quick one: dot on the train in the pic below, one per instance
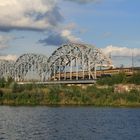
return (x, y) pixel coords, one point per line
(92, 75)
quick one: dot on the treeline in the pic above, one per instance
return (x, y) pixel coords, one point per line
(120, 78)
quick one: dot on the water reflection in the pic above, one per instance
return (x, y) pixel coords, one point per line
(69, 123)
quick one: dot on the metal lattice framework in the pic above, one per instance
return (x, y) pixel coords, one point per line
(78, 60)
(6, 68)
(34, 65)
(69, 61)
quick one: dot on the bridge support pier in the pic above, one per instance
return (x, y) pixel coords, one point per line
(95, 76)
(89, 76)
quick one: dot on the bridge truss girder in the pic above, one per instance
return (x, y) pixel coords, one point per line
(34, 63)
(76, 58)
(6, 69)
(70, 61)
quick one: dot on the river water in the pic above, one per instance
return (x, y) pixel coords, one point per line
(69, 123)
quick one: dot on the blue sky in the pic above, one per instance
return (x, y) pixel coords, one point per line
(108, 22)
(40, 26)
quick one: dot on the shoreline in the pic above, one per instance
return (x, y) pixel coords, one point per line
(69, 96)
(71, 106)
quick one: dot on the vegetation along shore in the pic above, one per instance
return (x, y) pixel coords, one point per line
(117, 90)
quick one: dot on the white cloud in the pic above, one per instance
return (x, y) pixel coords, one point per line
(123, 55)
(68, 34)
(29, 14)
(121, 51)
(42, 15)
(8, 57)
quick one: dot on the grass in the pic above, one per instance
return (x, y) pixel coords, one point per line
(31, 94)
(120, 78)
(63, 95)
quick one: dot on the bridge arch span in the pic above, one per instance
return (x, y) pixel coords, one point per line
(6, 69)
(69, 61)
(34, 64)
(74, 59)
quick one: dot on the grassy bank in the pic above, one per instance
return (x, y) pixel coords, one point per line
(101, 94)
(63, 95)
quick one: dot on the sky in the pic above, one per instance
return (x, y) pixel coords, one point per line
(41, 26)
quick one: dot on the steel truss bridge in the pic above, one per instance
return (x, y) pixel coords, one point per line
(68, 62)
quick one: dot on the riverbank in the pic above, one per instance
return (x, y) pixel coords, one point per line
(64, 95)
(117, 90)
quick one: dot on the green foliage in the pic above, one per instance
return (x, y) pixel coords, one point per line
(120, 78)
(114, 79)
(17, 88)
(2, 83)
(9, 81)
(53, 95)
(32, 94)
(135, 79)
(5, 83)
(1, 93)
(133, 96)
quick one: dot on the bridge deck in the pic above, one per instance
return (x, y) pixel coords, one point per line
(62, 82)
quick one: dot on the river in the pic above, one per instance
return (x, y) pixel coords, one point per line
(69, 123)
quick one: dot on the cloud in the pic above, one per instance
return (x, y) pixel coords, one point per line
(54, 39)
(70, 26)
(68, 34)
(29, 14)
(8, 57)
(121, 51)
(36, 15)
(84, 1)
(59, 38)
(123, 55)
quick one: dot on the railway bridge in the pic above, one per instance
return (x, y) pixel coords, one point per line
(69, 62)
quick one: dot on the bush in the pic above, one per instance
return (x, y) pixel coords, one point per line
(135, 79)
(17, 88)
(1, 93)
(9, 81)
(114, 79)
(53, 94)
(2, 82)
